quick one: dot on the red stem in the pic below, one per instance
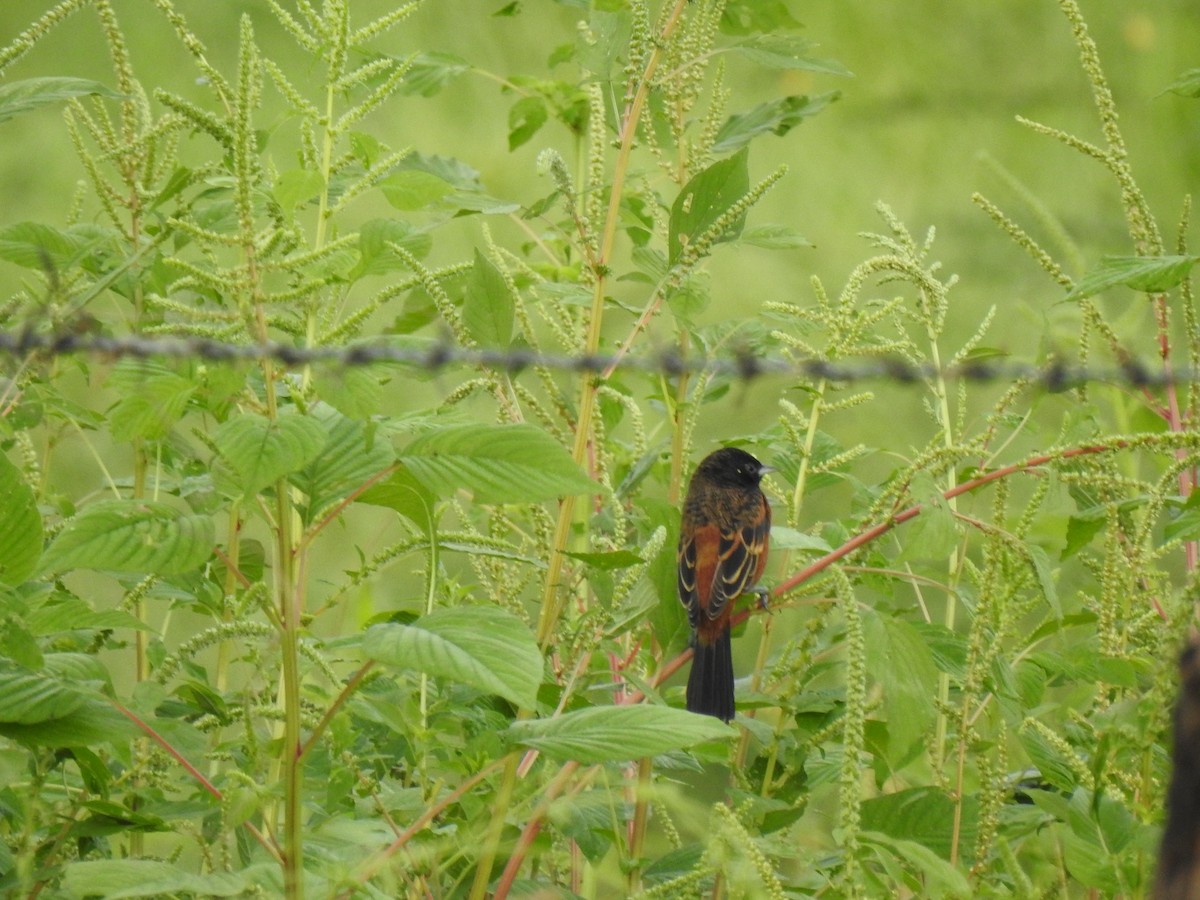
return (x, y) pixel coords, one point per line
(268, 844)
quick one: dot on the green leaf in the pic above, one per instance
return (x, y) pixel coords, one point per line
(488, 305)
(774, 237)
(27, 698)
(254, 452)
(1100, 830)
(352, 454)
(498, 463)
(20, 526)
(411, 189)
(757, 17)
(141, 536)
(71, 614)
(1080, 532)
(496, 551)
(1040, 560)
(153, 400)
(939, 878)
(406, 495)
(615, 733)
(33, 93)
(483, 646)
(1186, 85)
(1148, 274)
(355, 391)
(430, 72)
(705, 199)
(903, 664)
(115, 879)
(297, 186)
(606, 562)
(1184, 521)
(924, 815)
(33, 245)
(781, 50)
(525, 119)
(376, 255)
(1052, 765)
(933, 533)
(95, 722)
(18, 644)
(777, 117)
(785, 538)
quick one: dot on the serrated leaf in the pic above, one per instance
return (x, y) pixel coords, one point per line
(601, 734)
(33, 93)
(20, 526)
(488, 305)
(352, 454)
(483, 646)
(776, 117)
(255, 452)
(498, 463)
(1148, 274)
(705, 199)
(139, 536)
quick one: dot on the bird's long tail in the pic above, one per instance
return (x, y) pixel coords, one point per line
(710, 684)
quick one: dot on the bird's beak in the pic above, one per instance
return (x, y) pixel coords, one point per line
(763, 470)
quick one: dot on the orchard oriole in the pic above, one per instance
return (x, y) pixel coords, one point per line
(722, 552)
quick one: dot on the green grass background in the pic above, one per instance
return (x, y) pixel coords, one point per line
(936, 86)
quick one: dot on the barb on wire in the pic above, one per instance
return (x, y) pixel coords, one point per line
(434, 355)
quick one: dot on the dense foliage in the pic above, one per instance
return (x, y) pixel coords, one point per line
(332, 566)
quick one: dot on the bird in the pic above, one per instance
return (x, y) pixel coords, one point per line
(723, 541)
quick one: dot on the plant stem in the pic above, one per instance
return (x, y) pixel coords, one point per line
(491, 841)
(551, 602)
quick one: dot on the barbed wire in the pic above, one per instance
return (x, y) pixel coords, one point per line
(437, 355)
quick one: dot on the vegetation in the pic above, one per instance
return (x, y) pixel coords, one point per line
(341, 490)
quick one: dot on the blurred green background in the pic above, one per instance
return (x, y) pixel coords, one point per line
(936, 86)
